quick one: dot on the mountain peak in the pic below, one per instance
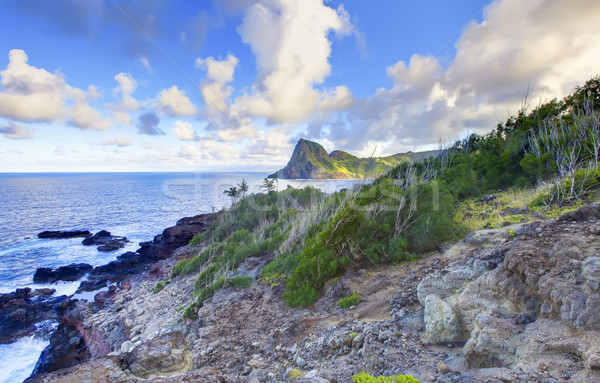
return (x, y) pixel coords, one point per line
(310, 160)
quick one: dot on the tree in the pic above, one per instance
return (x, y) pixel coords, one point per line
(243, 188)
(232, 193)
(268, 185)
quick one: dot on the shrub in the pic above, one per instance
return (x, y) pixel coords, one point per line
(241, 282)
(295, 374)
(363, 377)
(349, 301)
(159, 286)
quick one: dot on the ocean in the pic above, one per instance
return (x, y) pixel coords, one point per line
(135, 205)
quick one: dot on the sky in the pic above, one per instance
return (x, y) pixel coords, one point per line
(173, 85)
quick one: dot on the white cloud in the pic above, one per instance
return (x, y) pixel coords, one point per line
(34, 94)
(15, 131)
(120, 141)
(146, 64)
(184, 130)
(126, 85)
(291, 43)
(547, 45)
(215, 90)
(175, 102)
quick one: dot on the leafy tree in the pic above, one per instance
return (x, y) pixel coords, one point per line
(243, 188)
(268, 185)
(232, 193)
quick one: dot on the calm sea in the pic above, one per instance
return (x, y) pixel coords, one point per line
(136, 205)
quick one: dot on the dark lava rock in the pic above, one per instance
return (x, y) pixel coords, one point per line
(67, 348)
(581, 214)
(92, 285)
(149, 252)
(103, 296)
(106, 240)
(70, 272)
(64, 234)
(20, 311)
(487, 199)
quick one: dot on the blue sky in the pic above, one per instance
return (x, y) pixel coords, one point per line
(157, 85)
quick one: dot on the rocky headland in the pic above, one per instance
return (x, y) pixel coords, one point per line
(310, 160)
(517, 304)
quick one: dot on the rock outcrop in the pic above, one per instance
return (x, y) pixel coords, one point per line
(70, 273)
(22, 311)
(105, 241)
(518, 304)
(64, 234)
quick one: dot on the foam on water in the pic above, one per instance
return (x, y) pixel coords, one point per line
(18, 359)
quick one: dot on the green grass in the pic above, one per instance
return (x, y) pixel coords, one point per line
(349, 301)
(363, 377)
(241, 282)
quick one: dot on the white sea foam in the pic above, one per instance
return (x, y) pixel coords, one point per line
(18, 359)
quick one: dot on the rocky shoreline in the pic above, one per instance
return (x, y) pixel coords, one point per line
(26, 312)
(517, 304)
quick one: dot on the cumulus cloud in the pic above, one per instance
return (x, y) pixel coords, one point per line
(215, 89)
(291, 43)
(126, 85)
(15, 131)
(545, 45)
(148, 124)
(34, 94)
(175, 102)
(120, 141)
(184, 130)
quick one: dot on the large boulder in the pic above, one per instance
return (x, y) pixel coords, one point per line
(441, 323)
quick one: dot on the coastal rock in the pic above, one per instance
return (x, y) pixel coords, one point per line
(106, 241)
(69, 273)
(20, 311)
(66, 349)
(64, 234)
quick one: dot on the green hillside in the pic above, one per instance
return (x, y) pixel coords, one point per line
(311, 161)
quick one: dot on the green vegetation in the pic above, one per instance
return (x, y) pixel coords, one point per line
(159, 286)
(295, 374)
(363, 377)
(242, 282)
(349, 301)
(539, 163)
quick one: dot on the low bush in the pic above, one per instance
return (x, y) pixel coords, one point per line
(159, 286)
(363, 377)
(349, 301)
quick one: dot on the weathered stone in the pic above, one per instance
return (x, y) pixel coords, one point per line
(167, 353)
(441, 323)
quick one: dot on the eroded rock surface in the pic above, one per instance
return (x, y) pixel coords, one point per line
(518, 304)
